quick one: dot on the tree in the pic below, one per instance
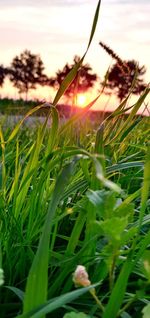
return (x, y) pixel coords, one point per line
(26, 72)
(123, 74)
(84, 80)
(3, 73)
(120, 80)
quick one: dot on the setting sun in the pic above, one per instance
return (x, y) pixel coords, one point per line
(81, 100)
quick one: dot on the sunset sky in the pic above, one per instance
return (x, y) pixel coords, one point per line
(59, 29)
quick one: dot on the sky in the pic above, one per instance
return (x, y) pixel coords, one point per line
(59, 29)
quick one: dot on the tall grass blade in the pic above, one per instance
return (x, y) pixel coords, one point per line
(124, 165)
(145, 187)
(29, 113)
(78, 116)
(72, 74)
(67, 81)
(36, 288)
(56, 303)
(2, 165)
(53, 131)
(19, 293)
(94, 23)
(116, 298)
(131, 115)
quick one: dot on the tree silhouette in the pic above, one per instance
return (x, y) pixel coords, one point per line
(121, 81)
(26, 72)
(122, 75)
(3, 73)
(84, 80)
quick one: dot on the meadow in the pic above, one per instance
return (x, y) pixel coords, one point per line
(75, 213)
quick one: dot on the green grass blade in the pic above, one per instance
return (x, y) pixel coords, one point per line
(94, 23)
(29, 113)
(2, 165)
(78, 116)
(53, 131)
(56, 303)
(134, 111)
(124, 165)
(117, 295)
(145, 187)
(143, 244)
(36, 288)
(18, 292)
(67, 81)
(72, 74)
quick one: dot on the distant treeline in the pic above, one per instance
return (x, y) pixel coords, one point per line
(26, 72)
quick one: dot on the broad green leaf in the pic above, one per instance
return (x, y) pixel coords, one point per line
(125, 210)
(146, 311)
(114, 232)
(104, 202)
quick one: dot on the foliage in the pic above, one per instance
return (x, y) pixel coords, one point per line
(97, 228)
(121, 82)
(146, 311)
(83, 81)
(3, 73)
(26, 71)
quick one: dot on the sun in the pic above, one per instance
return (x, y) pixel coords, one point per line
(81, 100)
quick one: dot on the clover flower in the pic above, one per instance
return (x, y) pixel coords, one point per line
(80, 277)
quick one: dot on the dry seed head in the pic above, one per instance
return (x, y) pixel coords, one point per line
(121, 64)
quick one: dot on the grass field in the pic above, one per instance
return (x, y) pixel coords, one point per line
(76, 194)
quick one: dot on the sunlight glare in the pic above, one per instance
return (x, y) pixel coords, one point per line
(81, 100)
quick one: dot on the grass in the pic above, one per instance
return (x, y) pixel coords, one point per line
(72, 195)
(61, 205)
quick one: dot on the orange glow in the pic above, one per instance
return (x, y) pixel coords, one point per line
(81, 100)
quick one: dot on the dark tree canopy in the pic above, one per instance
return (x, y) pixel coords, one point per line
(121, 81)
(84, 80)
(27, 71)
(3, 73)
